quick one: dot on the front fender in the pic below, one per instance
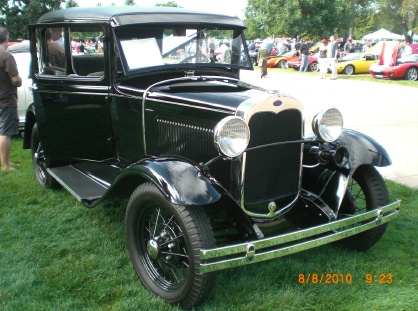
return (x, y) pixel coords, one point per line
(180, 181)
(363, 150)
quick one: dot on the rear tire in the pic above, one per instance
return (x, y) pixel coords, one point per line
(282, 64)
(313, 67)
(411, 74)
(164, 241)
(367, 191)
(39, 162)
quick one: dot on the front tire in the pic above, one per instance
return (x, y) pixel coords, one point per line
(164, 242)
(367, 191)
(348, 70)
(39, 162)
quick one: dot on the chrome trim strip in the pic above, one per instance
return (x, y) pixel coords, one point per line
(217, 258)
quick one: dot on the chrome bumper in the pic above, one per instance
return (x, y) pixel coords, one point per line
(286, 244)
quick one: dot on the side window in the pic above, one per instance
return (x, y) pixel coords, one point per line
(87, 51)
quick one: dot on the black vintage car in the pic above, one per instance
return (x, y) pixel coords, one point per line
(218, 173)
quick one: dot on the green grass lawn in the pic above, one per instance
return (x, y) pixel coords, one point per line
(56, 254)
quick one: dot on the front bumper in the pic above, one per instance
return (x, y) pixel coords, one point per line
(286, 244)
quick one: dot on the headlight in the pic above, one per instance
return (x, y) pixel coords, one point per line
(232, 136)
(328, 124)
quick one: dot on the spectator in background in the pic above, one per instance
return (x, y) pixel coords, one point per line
(348, 46)
(366, 46)
(9, 82)
(262, 59)
(225, 56)
(332, 52)
(56, 53)
(304, 55)
(56, 34)
(297, 47)
(406, 49)
(322, 59)
(81, 47)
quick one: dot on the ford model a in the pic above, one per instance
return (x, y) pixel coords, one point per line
(218, 173)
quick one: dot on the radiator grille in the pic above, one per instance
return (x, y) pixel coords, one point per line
(273, 172)
(187, 140)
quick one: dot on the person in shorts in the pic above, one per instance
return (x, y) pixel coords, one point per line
(9, 82)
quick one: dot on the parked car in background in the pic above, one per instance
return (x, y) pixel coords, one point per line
(218, 173)
(356, 63)
(281, 60)
(393, 66)
(22, 56)
(253, 50)
(294, 62)
(405, 68)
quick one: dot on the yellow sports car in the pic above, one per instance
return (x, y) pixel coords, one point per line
(359, 62)
(356, 63)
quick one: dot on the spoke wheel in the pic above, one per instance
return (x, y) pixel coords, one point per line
(411, 74)
(282, 64)
(164, 242)
(367, 191)
(39, 162)
(349, 70)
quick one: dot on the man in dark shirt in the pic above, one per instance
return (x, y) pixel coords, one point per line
(304, 54)
(297, 47)
(9, 82)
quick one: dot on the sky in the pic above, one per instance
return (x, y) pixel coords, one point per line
(228, 7)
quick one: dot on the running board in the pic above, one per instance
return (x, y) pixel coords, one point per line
(80, 185)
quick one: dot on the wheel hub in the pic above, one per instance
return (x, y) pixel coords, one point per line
(153, 249)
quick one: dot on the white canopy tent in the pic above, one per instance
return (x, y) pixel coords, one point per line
(383, 34)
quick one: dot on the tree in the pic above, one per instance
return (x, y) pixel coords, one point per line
(130, 2)
(71, 4)
(25, 12)
(297, 18)
(172, 4)
(410, 15)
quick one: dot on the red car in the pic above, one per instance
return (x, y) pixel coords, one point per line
(282, 60)
(392, 67)
(312, 63)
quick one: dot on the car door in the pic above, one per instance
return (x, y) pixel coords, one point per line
(71, 104)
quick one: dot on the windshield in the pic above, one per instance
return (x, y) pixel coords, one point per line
(156, 48)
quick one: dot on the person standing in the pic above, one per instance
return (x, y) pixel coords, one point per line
(297, 47)
(9, 82)
(322, 59)
(262, 59)
(304, 55)
(333, 56)
(56, 52)
(348, 46)
(406, 49)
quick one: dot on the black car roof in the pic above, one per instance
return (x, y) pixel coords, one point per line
(128, 15)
